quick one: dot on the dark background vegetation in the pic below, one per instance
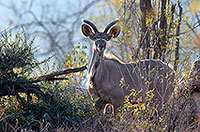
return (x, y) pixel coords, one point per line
(167, 30)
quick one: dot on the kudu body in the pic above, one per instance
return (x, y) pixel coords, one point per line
(111, 80)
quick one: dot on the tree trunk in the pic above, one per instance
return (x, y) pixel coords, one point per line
(160, 45)
(145, 7)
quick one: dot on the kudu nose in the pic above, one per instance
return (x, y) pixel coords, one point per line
(101, 47)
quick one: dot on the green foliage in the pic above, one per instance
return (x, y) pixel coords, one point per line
(16, 52)
(17, 62)
(139, 111)
(64, 106)
(143, 114)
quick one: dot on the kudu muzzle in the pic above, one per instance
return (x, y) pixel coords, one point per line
(100, 45)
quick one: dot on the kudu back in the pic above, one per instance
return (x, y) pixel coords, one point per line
(110, 80)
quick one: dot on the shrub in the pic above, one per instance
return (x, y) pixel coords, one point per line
(64, 106)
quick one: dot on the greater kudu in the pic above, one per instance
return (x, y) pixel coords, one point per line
(106, 73)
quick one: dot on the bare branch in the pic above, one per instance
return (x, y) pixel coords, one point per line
(53, 25)
(52, 75)
(178, 37)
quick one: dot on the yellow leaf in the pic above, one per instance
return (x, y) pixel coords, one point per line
(140, 99)
(64, 81)
(143, 106)
(195, 6)
(120, 3)
(15, 70)
(114, 1)
(130, 57)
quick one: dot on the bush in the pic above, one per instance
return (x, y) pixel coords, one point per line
(144, 115)
(17, 63)
(64, 106)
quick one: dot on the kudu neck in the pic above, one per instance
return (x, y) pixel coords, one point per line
(97, 56)
(96, 60)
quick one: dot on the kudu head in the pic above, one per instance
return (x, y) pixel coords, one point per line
(100, 38)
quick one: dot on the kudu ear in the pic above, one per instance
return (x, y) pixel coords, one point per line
(87, 31)
(114, 31)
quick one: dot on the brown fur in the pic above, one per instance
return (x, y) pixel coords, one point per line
(110, 80)
(195, 89)
(106, 83)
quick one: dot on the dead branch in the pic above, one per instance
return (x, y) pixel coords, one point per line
(178, 37)
(15, 87)
(51, 76)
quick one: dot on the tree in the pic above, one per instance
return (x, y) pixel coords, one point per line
(55, 24)
(160, 29)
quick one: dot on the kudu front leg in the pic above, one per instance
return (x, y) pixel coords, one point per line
(116, 104)
(99, 104)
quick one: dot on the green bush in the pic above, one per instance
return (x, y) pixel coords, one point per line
(64, 106)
